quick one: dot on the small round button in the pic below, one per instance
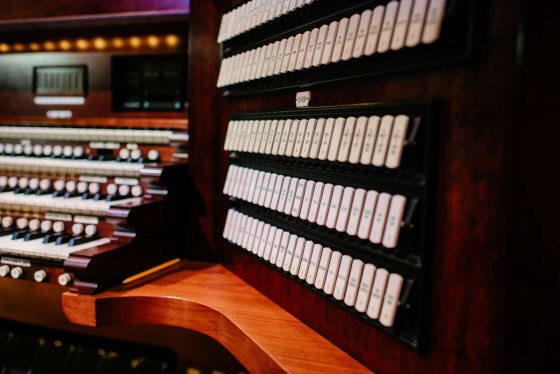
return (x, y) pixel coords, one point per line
(124, 153)
(9, 148)
(124, 190)
(59, 185)
(77, 229)
(47, 150)
(2, 147)
(71, 186)
(12, 182)
(22, 223)
(34, 224)
(7, 222)
(28, 149)
(135, 154)
(136, 191)
(82, 187)
(4, 271)
(18, 149)
(23, 182)
(94, 188)
(16, 272)
(46, 225)
(153, 155)
(58, 227)
(90, 230)
(67, 151)
(40, 276)
(112, 189)
(3, 181)
(34, 183)
(64, 279)
(78, 151)
(45, 184)
(37, 150)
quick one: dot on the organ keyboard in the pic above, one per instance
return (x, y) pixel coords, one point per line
(75, 202)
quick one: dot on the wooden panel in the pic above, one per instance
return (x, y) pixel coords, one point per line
(469, 276)
(210, 299)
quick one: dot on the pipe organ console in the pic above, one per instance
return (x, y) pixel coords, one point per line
(76, 202)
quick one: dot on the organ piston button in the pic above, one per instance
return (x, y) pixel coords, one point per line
(78, 151)
(112, 189)
(93, 188)
(18, 149)
(12, 182)
(57, 150)
(82, 187)
(135, 154)
(34, 224)
(9, 148)
(3, 181)
(71, 186)
(77, 229)
(58, 227)
(45, 184)
(37, 149)
(22, 223)
(4, 270)
(47, 150)
(136, 191)
(16, 272)
(67, 151)
(64, 279)
(7, 222)
(90, 230)
(153, 155)
(46, 225)
(2, 147)
(40, 276)
(34, 183)
(23, 182)
(124, 153)
(124, 190)
(59, 185)
(28, 150)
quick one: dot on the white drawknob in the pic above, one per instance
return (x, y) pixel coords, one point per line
(16, 272)
(40, 276)
(64, 279)
(4, 270)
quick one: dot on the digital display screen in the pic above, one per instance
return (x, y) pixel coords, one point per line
(60, 80)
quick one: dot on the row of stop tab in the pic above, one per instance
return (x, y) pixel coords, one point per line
(399, 24)
(373, 215)
(365, 287)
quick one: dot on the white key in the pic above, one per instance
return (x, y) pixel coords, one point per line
(315, 202)
(298, 197)
(314, 264)
(382, 144)
(295, 52)
(329, 43)
(358, 140)
(356, 211)
(270, 190)
(276, 245)
(320, 45)
(353, 282)
(262, 146)
(434, 19)
(334, 206)
(332, 272)
(302, 50)
(372, 39)
(307, 196)
(258, 239)
(284, 242)
(325, 204)
(370, 140)
(280, 57)
(347, 137)
(287, 263)
(401, 25)
(326, 140)
(277, 137)
(227, 224)
(299, 138)
(283, 193)
(317, 137)
(310, 54)
(284, 139)
(271, 135)
(287, 54)
(308, 137)
(291, 195)
(396, 143)
(322, 268)
(362, 33)
(264, 189)
(298, 253)
(247, 235)
(379, 218)
(342, 277)
(264, 246)
(258, 189)
(344, 212)
(391, 300)
(276, 192)
(416, 23)
(394, 219)
(251, 179)
(336, 139)
(305, 259)
(364, 290)
(292, 138)
(351, 35)
(228, 181)
(340, 39)
(377, 293)
(273, 58)
(388, 26)
(368, 212)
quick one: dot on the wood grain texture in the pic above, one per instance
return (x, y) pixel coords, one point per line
(210, 299)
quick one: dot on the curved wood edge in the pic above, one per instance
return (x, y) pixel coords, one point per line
(213, 301)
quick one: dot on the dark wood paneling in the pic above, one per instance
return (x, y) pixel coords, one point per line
(475, 157)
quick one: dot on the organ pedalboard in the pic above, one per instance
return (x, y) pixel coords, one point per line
(77, 205)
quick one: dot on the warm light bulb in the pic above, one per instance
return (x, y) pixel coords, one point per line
(34, 46)
(19, 47)
(49, 46)
(117, 43)
(152, 41)
(99, 43)
(4, 47)
(82, 44)
(172, 40)
(135, 42)
(64, 45)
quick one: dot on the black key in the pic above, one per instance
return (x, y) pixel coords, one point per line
(55, 358)
(77, 240)
(106, 158)
(6, 232)
(49, 238)
(23, 354)
(58, 194)
(86, 196)
(20, 190)
(68, 195)
(63, 239)
(44, 192)
(19, 234)
(116, 197)
(86, 361)
(148, 366)
(31, 192)
(100, 197)
(33, 235)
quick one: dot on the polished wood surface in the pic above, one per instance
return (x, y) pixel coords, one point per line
(210, 299)
(138, 121)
